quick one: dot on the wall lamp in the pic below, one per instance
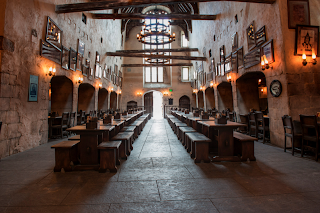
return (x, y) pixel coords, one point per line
(195, 91)
(229, 78)
(211, 84)
(165, 93)
(304, 59)
(52, 71)
(264, 63)
(119, 92)
(201, 88)
(110, 89)
(80, 80)
(100, 86)
(139, 93)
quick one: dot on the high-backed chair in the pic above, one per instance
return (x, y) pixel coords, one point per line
(292, 131)
(63, 125)
(253, 124)
(244, 119)
(72, 119)
(262, 126)
(310, 134)
(83, 117)
(232, 116)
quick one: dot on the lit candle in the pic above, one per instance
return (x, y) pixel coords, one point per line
(313, 54)
(304, 56)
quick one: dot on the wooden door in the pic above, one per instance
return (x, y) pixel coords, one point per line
(148, 103)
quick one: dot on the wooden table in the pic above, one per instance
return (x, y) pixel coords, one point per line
(222, 134)
(118, 124)
(89, 140)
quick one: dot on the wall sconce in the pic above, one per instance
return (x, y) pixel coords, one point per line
(139, 93)
(119, 92)
(229, 78)
(264, 63)
(211, 84)
(80, 80)
(100, 86)
(195, 91)
(165, 93)
(201, 88)
(52, 72)
(304, 59)
(110, 89)
(259, 81)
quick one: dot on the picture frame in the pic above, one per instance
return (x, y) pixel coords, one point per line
(260, 36)
(116, 71)
(51, 52)
(222, 57)
(234, 41)
(79, 62)
(97, 57)
(218, 69)
(81, 47)
(252, 58)
(251, 36)
(267, 51)
(54, 34)
(234, 61)
(33, 88)
(91, 73)
(105, 71)
(307, 40)
(65, 58)
(222, 69)
(228, 63)
(298, 13)
(73, 59)
(213, 67)
(240, 57)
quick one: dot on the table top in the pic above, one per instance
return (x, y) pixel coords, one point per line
(214, 124)
(82, 128)
(113, 123)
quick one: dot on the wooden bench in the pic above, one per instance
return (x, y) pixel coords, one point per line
(109, 156)
(126, 145)
(199, 147)
(244, 146)
(182, 132)
(66, 154)
(138, 124)
(130, 129)
(176, 130)
(74, 138)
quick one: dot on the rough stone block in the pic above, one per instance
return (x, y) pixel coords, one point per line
(13, 130)
(4, 149)
(299, 102)
(4, 104)
(295, 89)
(13, 144)
(12, 117)
(5, 78)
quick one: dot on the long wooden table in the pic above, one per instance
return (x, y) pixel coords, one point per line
(223, 135)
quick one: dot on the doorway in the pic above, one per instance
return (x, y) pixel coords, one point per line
(153, 101)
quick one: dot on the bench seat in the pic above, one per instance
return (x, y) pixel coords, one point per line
(244, 146)
(176, 129)
(182, 133)
(76, 138)
(199, 147)
(138, 124)
(109, 156)
(130, 129)
(66, 155)
(126, 145)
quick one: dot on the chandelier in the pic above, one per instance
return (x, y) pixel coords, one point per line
(156, 34)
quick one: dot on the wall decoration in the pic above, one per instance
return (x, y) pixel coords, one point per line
(213, 67)
(252, 58)
(210, 76)
(218, 69)
(228, 64)
(251, 36)
(79, 62)
(91, 74)
(298, 13)
(240, 57)
(222, 53)
(86, 68)
(65, 58)
(97, 68)
(81, 46)
(234, 61)
(54, 34)
(105, 71)
(100, 71)
(97, 57)
(73, 59)
(50, 52)
(33, 88)
(222, 69)
(116, 71)
(268, 52)
(234, 41)
(275, 88)
(261, 36)
(307, 40)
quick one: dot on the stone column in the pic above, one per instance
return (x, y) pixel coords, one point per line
(197, 101)
(96, 98)
(204, 101)
(117, 101)
(235, 98)
(216, 97)
(109, 94)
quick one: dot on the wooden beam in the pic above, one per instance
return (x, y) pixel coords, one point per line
(113, 4)
(153, 16)
(160, 50)
(189, 58)
(158, 65)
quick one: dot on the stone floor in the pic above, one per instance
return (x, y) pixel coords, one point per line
(159, 176)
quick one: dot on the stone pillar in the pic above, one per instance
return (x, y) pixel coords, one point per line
(75, 97)
(96, 98)
(235, 99)
(109, 94)
(197, 101)
(216, 98)
(204, 101)
(117, 101)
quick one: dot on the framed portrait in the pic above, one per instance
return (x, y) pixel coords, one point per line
(33, 88)
(218, 69)
(54, 34)
(97, 70)
(240, 57)
(267, 51)
(97, 57)
(234, 40)
(222, 53)
(307, 40)
(261, 36)
(222, 69)
(252, 58)
(80, 47)
(228, 63)
(73, 59)
(212, 66)
(79, 62)
(251, 36)
(298, 13)
(65, 58)
(105, 71)
(91, 73)
(234, 61)
(50, 52)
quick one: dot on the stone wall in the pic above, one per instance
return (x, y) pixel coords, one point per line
(25, 124)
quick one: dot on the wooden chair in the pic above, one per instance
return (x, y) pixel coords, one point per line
(262, 126)
(310, 134)
(232, 116)
(253, 124)
(290, 131)
(72, 119)
(83, 117)
(244, 119)
(63, 125)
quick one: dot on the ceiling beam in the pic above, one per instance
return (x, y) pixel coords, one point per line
(189, 58)
(153, 16)
(113, 4)
(158, 65)
(160, 50)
